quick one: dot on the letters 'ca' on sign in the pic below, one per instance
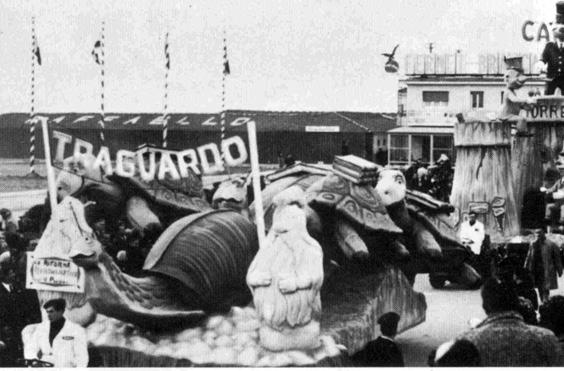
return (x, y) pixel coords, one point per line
(53, 274)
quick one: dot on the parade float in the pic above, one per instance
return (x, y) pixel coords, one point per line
(346, 245)
(193, 306)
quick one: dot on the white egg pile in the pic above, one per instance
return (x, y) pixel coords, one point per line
(223, 340)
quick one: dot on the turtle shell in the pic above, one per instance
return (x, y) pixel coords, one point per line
(439, 224)
(208, 252)
(184, 194)
(359, 204)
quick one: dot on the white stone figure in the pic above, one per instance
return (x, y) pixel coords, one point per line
(285, 278)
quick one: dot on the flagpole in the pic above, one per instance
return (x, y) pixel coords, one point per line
(255, 171)
(165, 99)
(50, 172)
(226, 71)
(102, 87)
(32, 102)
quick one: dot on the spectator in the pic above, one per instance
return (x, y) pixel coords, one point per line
(552, 317)
(527, 311)
(9, 224)
(459, 353)
(503, 339)
(411, 174)
(381, 157)
(544, 262)
(9, 336)
(441, 178)
(382, 352)
(58, 340)
(289, 161)
(345, 148)
(472, 234)
(421, 182)
(18, 308)
(17, 247)
(525, 286)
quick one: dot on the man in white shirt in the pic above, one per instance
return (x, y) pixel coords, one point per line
(58, 340)
(472, 233)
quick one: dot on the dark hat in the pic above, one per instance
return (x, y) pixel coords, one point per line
(514, 63)
(390, 318)
(560, 12)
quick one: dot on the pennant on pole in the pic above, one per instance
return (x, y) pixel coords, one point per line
(97, 52)
(167, 54)
(37, 53)
(226, 69)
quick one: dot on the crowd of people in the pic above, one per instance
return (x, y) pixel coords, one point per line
(435, 180)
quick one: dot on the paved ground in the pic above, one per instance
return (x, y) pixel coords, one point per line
(448, 313)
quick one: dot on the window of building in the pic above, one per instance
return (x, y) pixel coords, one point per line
(421, 148)
(502, 96)
(399, 149)
(443, 144)
(477, 99)
(435, 98)
(401, 110)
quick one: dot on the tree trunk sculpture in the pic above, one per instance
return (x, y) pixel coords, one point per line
(483, 180)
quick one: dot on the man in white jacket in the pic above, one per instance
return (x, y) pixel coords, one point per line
(472, 233)
(58, 341)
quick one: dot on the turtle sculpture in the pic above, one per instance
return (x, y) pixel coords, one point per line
(349, 220)
(428, 232)
(198, 265)
(150, 206)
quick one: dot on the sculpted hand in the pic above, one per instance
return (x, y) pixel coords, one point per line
(543, 189)
(287, 285)
(260, 279)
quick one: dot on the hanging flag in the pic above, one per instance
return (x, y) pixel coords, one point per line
(226, 69)
(97, 52)
(167, 55)
(37, 53)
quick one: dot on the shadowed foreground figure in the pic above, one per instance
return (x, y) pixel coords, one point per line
(382, 352)
(503, 338)
(552, 317)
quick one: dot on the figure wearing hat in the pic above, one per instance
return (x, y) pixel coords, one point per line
(553, 54)
(513, 104)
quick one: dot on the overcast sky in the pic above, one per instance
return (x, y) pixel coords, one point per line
(318, 55)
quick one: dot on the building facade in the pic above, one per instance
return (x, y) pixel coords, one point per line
(436, 89)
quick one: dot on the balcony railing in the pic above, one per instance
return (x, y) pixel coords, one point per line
(442, 116)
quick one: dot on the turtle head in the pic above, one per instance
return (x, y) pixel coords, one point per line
(86, 252)
(231, 194)
(391, 186)
(77, 171)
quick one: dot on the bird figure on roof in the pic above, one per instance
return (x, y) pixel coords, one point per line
(392, 65)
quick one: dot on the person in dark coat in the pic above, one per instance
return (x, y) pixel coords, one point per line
(544, 262)
(503, 339)
(382, 352)
(552, 318)
(17, 307)
(553, 55)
